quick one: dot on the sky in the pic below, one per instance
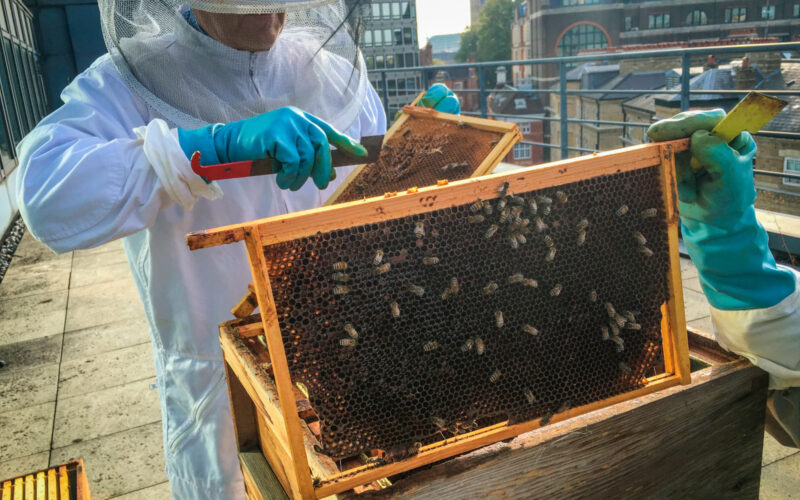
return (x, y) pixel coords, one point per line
(440, 17)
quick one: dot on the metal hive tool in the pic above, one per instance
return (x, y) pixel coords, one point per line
(424, 146)
(418, 328)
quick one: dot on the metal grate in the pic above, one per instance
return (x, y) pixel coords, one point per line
(414, 374)
(421, 152)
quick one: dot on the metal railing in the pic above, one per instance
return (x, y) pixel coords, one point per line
(559, 88)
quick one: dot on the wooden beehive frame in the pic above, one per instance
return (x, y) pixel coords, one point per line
(281, 431)
(510, 131)
(52, 483)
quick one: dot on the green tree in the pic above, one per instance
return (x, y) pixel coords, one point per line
(469, 45)
(494, 31)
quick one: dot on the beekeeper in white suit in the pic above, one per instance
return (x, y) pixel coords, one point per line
(215, 76)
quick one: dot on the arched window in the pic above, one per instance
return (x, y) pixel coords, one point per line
(582, 36)
(696, 18)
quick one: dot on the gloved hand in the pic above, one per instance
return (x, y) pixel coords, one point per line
(441, 98)
(297, 142)
(718, 219)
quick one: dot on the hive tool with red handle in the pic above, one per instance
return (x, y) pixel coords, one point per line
(265, 166)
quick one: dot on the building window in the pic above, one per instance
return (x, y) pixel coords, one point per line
(406, 10)
(458, 85)
(696, 18)
(568, 3)
(385, 11)
(796, 11)
(768, 12)
(407, 37)
(520, 103)
(791, 166)
(390, 60)
(657, 21)
(368, 38)
(409, 60)
(387, 37)
(376, 11)
(379, 62)
(396, 10)
(628, 23)
(736, 15)
(398, 37)
(524, 128)
(583, 36)
(522, 152)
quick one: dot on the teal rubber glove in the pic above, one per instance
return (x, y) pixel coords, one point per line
(298, 143)
(718, 218)
(441, 98)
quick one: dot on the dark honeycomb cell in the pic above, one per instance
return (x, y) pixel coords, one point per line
(421, 152)
(418, 376)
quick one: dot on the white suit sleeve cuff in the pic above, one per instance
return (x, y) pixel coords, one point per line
(163, 151)
(769, 338)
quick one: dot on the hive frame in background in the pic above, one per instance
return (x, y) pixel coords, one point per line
(266, 414)
(510, 131)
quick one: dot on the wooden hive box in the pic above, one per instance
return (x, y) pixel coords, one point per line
(424, 146)
(450, 332)
(62, 482)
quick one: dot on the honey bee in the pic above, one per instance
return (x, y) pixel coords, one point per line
(546, 419)
(562, 196)
(467, 346)
(593, 296)
(610, 309)
(430, 261)
(633, 326)
(620, 343)
(477, 206)
(620, 320)
(546, 210)
(544, 200)
(630, 316)
(419, 230)
(388, 147)
(341, 290)
(503, 188)
(454, 287)
(646, 251)
(495, 376)
(498, 317)
(540, 225)
(639, 237)
(406, 132)
(446, 293)
(551, 255)
(378, 257)
(501, 204)
(476, 219)
(491, 231)
(614, 329)
(487, 208)
(604, 331)
(521, 239)
(347, 342)
(395, 307)
(490, 288)
(439, 422)
(530, 283)
(351, 330)
(505, 215)
(529, 396)
(516, 211)
(566, 405)
(534, 208)
(622, 210)
(512, 241)
(383, 268)
(341, 277)
(525, 222)
(530, 330)
(414, 448)
(625, 368)
(479, 347)
(430, 346)
(416, 290)
(517, 200)
(548, 241)
(516, 278)
(581, 238)
(556, 291)
(494, 143)
(650, 212)
(340, 266)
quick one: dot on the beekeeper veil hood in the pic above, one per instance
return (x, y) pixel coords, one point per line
(190, 79)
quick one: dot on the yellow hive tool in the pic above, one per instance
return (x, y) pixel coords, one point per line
(752, 113)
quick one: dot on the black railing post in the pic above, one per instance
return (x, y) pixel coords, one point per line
(482, 93)
(686, 67)
(562, 92)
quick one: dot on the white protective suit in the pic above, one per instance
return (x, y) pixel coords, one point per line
(104, 166)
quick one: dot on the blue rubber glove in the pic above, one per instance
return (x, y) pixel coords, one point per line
(297, 142)
(718, 219)
(441, 98)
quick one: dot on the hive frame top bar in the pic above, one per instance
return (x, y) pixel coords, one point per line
(309, 222)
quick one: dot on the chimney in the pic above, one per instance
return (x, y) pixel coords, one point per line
(744, 78)
(501, 75)
(711, 62)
